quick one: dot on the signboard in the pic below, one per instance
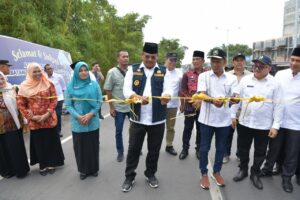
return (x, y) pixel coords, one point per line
(19, 53)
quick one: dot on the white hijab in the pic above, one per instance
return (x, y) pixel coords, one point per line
(9, 97)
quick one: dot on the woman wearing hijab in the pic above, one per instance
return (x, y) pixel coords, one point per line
(37, 101)
(12, 153)
(83, 102)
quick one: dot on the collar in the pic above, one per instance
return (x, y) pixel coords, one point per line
(211, 73)
(291, 73)
(143, 66)
(264, 79)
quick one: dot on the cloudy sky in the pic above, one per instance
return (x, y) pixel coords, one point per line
(204, 24)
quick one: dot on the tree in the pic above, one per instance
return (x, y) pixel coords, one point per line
(171, 45)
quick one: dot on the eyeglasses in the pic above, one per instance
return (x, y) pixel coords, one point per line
(259, 66)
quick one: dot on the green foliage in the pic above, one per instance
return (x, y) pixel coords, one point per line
(88, 29)
(171, 45)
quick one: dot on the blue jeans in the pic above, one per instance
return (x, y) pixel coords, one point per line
(119, 122)
(207, 132)
(229, 142)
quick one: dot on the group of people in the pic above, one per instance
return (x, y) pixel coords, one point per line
(256, 105)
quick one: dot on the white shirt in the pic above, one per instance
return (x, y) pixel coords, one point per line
(60, 85)
(291, 96)
(175, 79)
(92, 76)
(146, 110)
(214, 86)
(260, 115)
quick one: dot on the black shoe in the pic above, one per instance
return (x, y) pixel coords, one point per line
(240, 175)
(287, 184)
(152, 181)
(8, 175)
(265, 173)
(128, 185)
(171, 150)
(298, 180)
(43, 172)
(101, 116)
(61, 135)
(51, 170)
(82, 176)
(198, 154)
(120, 157)
(256, 181)
(276, 172)
(184, 153)
(22, 176)
(95, 174)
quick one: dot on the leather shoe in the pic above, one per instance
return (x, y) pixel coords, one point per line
(184, 153)
(8, 175)
(298, 180)
(171, 150)
(256, 181)
(82, 176)
(287, 184)
(240, 175)
(265, 173)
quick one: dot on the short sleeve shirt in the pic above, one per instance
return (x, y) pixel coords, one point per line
(115, 82)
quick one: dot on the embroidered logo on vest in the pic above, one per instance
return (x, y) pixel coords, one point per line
(136, 83)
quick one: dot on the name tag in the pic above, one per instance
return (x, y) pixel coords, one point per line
(159, 75)
(138, 73)
(251, 86)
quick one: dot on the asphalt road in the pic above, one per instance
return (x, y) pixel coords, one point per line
(179, 180)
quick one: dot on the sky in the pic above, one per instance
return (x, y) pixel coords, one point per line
(205, 24)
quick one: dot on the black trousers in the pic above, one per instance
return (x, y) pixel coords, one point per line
(297, 173)
(291, 151)
(275, 150)
(261, 139)
(189, 122)
(137, 132)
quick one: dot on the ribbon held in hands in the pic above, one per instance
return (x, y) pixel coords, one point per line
(256, 98)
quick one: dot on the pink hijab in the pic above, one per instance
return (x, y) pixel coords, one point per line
(31, 87)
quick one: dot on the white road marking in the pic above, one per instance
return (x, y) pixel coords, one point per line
(214, 189)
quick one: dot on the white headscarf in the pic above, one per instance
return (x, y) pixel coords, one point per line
(9, 97)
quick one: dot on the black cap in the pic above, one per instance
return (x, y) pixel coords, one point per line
(150, 47)
(217, 53)
(239, 55)
(198, 54)
(74, 63)
(5, 62)
(296, 51)
(263, 59)
(171, 55)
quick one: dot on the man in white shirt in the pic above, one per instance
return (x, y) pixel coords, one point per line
(175, 75)
(60, 87)
(240, 71)
(214, 115)
(259, 120)
(142, 81)
(289, 80)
